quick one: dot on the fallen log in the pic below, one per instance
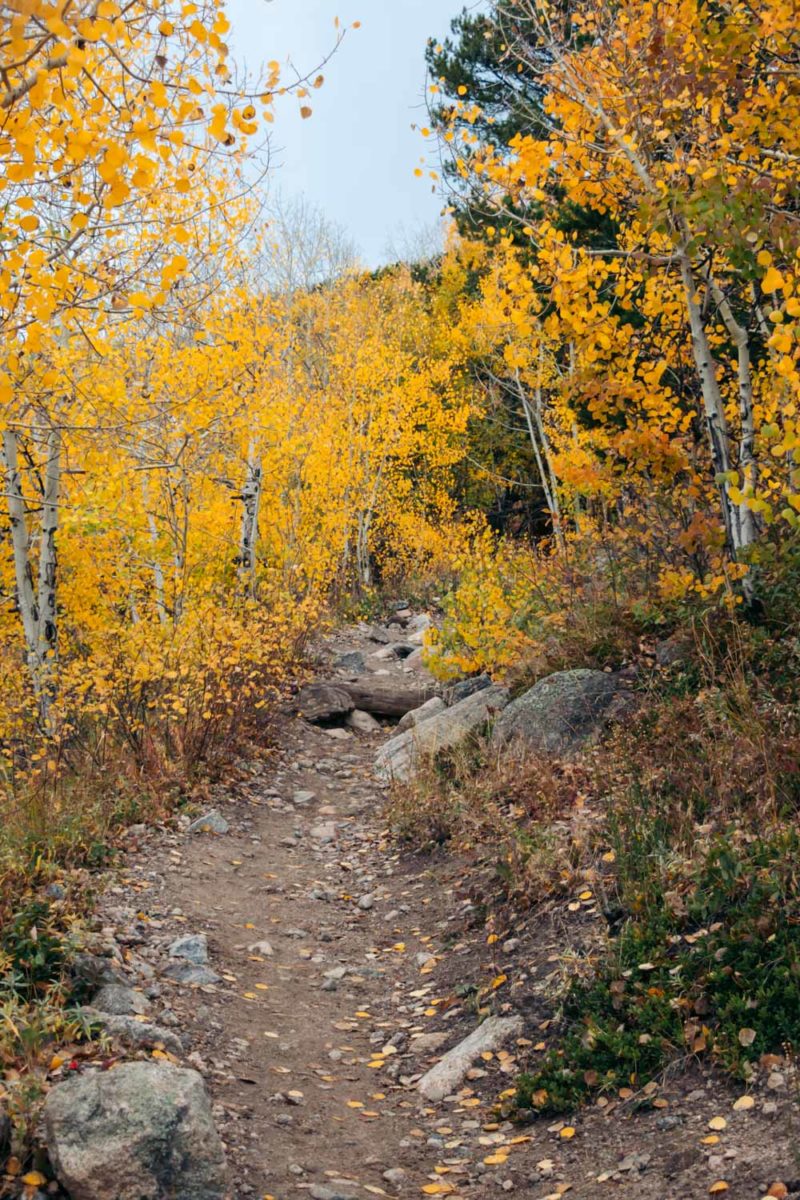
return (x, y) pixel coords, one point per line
(384, 697)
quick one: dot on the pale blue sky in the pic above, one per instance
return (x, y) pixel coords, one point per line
(355, 158)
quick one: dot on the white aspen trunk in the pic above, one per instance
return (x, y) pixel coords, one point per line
(714, 408)
(362, 549)
(158, 570)
(251, 501)
(48, 558)
(748, 463)
(38, 612)
(20, 542)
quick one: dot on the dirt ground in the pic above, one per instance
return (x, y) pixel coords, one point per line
(378, 965)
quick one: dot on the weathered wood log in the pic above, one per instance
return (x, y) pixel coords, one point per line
(384, 697)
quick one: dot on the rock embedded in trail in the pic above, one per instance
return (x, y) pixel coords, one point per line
(321, 702)
(211, 822)
(363, 722)
(133, 1032)
(352, 661)
(561, 713)
(448, 1074)
(143, 1131)
(189, 973)
(193, 947)
(400, 758)
(120, 1001)
(431, 708)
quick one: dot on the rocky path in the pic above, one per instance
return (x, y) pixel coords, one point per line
(335, 972)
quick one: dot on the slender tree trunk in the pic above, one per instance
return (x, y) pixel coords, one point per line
(251, 500)
(38, 611)
(48, 559)
(714, 408)
(748, 462)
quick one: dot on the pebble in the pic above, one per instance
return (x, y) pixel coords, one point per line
(366, 903)
(324, 833)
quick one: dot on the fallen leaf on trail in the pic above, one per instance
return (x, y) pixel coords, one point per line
(249, 996)
(719, 1186)
(33, 1179)
(263, 987)
(567, 1132)
(718, 1123)
(354, 1104)
(743, 1103)
(438, 1189)
(496, 1160)
(779, 1190)
(711, 1140)
(499, 981)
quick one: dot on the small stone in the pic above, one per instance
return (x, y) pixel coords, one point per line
(511, 945)
(363, 722)
(396, 1176)
(366, 902)
(338, 735)
(301, 798)
(193, 947)
(263, 949)
(776, 1081)
(324, 833)
(211, 822)
(189, 973)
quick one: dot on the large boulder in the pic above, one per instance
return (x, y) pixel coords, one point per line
(323, 702)
(400, 758)
(143, 1131)
(562, 712)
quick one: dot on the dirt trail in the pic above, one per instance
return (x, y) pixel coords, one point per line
(311, 1052)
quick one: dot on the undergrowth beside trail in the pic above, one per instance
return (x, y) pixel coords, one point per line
(681, 835)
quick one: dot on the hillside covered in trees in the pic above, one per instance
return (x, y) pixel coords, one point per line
(571, 439)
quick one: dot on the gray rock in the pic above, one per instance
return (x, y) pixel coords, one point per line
(210, 822)
(92, 971)
(302, 798)
(377, 633)
(561, 713)
(321, 702)
(324, 833)
(428, 1043)
(400, 758)
(143, 1131)
(334, 1191)
(193, 947)
(353, 661)
(674, 650)
(190, 973)
(363, 722)
(263, 949)
(420, 623)
(139, 1034)
(466, 687)
(120, 1001)
(367, 902)
(395, 1175)
(448, 1074)
(431, 708)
